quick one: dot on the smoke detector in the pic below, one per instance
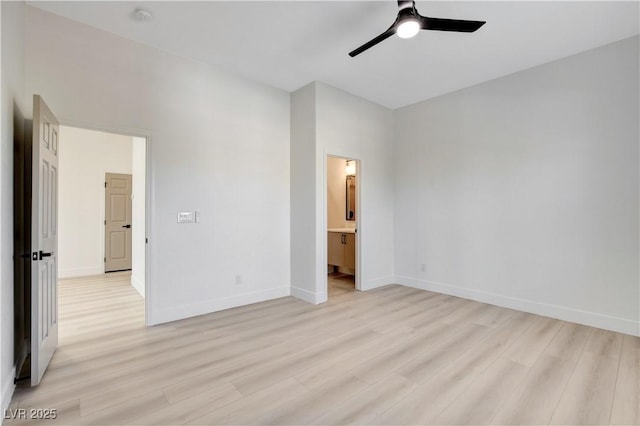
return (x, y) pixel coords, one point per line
(142, 15)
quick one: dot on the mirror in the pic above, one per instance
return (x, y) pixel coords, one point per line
(351, 198)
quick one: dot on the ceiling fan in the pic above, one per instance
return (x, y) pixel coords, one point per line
(409, 22)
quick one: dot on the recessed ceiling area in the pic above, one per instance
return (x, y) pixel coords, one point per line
(289, 44)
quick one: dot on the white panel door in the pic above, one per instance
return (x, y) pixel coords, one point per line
(44, 234)
(117, 223)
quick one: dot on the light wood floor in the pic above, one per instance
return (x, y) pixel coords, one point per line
(394, 355)
(338, 283)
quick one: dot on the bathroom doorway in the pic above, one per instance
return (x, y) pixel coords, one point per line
(342, 226)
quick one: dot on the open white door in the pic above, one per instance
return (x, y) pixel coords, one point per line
(44, 234)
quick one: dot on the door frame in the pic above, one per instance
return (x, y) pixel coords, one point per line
(325, 281)
(148, 198)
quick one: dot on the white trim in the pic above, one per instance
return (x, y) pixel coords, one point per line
(214, 305)
(323, 237)
(123, 131)
(148, 225)
(138, 285)
(80, 272)
(378, 282)
(7, 392)
(308, 296)
(592, 319)
(149, 198)
(360, 284)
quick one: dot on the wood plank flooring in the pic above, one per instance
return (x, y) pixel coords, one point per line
(338, 283)
(393, 355)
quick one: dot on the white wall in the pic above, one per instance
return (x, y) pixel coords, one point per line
(138, 232)
(85, 157)
(218, 143)
(350, 127)
(13, 96)
(336, 192)
(523, 191)
(303, 197)
(326, 121)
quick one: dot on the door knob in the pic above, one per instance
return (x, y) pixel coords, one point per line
(43, 254)
(126, 226)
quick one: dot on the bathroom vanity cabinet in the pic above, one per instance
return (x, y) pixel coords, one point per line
(342, 249)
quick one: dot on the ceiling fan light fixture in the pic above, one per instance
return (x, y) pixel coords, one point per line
(408, 28)
(409, 22)
(142, 15)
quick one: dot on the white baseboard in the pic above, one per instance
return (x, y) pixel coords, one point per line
(214, 305)
(308, 296)
(138, 284)
(592, 319)
(80, 272)
(377, 282)
(7, 392)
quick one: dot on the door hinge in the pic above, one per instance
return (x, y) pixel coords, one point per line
(105, 260)
(105, 184)
(105, 221)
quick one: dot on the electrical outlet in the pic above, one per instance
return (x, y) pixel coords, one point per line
(423, 267)
(238, 279)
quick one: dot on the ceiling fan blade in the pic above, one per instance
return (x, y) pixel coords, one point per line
(385, 35)
(459, 25)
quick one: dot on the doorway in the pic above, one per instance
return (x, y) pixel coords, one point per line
(55, 193)
(102, 208)
(342, 201)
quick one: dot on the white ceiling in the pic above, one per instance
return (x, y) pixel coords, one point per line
(289, 44)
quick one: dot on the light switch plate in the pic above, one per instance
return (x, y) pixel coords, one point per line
(185, 217)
